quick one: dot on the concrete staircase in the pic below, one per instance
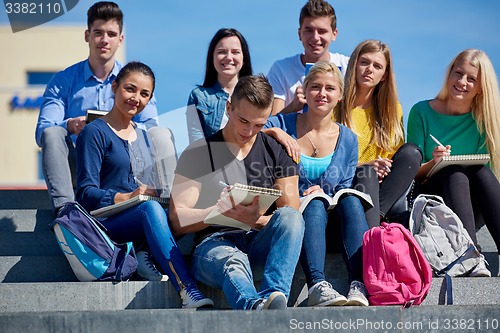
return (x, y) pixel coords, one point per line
(39, 292)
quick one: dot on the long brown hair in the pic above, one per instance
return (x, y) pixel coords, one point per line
(388, 128)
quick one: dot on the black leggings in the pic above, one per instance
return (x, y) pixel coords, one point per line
(406, 162)
(467, 189)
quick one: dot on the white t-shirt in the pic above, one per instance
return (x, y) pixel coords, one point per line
(287, 74)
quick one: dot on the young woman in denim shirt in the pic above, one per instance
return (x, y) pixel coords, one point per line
(327, 164)
(228, 59)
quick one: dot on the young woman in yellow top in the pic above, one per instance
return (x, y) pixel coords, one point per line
(370, 107)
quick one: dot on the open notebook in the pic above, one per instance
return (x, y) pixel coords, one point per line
(120, 207)
(465, 160)
(244, 194)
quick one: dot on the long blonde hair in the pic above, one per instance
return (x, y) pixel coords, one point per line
(486, 104)
(325, 67)
(388, 129)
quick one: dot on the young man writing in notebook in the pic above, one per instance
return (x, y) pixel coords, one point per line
(227, 258)
(317, 30)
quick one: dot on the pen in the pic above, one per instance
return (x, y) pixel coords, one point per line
(436, 140)
(223, 184)
(385, 166)
(138, 181)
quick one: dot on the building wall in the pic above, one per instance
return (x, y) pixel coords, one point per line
(40, 49)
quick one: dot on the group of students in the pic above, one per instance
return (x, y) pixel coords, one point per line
(250, 129)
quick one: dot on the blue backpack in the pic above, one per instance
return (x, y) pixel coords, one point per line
(92, 255)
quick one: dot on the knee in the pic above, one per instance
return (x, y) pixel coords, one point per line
(289, 220)
(153, 211)
(411, 152)
(54, 135)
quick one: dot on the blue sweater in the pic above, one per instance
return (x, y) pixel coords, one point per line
(104, 164)
(342, 168)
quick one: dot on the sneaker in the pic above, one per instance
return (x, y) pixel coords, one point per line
(276, 301)
(147, 269)
(323, 294)
(192, 298)
(357, 295)
(480, 270)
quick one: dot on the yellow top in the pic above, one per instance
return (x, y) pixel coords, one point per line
(362, 123)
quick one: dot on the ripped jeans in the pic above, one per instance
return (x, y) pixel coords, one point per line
(229, 260)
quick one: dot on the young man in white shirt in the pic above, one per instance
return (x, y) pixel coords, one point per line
(317, 29)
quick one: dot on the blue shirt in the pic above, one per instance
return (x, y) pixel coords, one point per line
(73, 91)
(314, 167)
(340, 173)
(205, 111)
(106, 164)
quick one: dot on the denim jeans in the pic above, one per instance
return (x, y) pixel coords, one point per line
(59, 165)
(146, 225)
(230, 260)
(350, 214)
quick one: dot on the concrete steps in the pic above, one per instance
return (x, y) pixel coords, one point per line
(369, 319)
(39, 292)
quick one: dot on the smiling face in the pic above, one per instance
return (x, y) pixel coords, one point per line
(132, 94)
(228, 56)
(370, 69)
(323, 92)
(104, 38)
(464, 81)
(316, 34)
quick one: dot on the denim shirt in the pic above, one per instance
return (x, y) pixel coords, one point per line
(205, 110)
(340, 172)
(73, 91)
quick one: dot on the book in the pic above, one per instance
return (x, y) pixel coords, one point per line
(464, 160)
(365, 199)
(121, 206)
(94, 114)
(244, 194)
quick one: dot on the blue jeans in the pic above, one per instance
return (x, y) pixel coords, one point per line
(350, 214)
(229, 260)
(146, 225)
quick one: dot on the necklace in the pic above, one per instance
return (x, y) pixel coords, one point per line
(315, 149)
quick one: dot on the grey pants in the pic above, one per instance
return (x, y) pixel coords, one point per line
(59, 163)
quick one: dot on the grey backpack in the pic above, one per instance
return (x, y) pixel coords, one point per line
(442, 237)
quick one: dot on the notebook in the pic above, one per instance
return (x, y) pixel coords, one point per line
(244, 194)
(365, 199)
(120, 207)
(465, 160)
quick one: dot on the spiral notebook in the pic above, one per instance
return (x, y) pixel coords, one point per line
(120, 207)
(244, 194)
(465, 160)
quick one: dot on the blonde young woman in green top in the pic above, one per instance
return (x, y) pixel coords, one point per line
(465, 118)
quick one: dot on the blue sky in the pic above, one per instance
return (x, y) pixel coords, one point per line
(172, 36)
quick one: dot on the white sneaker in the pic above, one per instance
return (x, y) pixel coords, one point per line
(147, 269)
(480, 270)
(357, 295)
(323, 294)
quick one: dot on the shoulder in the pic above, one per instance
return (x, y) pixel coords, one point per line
(347, 134)
(420, 107)
(339, 59)
(286, 62)
(70, 72)
(283, 121)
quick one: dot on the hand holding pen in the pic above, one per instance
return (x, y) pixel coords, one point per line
(440, 150)
(382, 167)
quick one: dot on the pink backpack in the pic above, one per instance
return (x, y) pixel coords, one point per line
(395, 270)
